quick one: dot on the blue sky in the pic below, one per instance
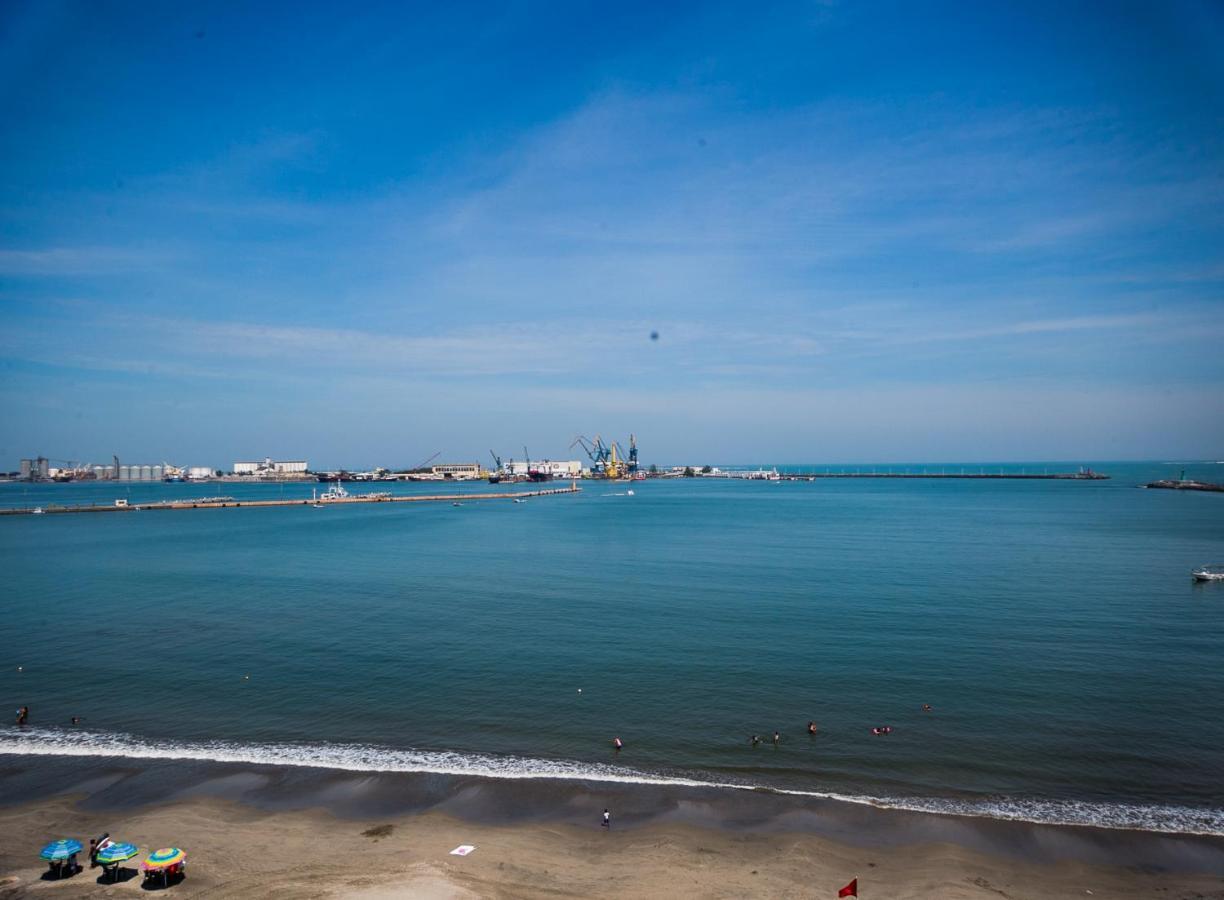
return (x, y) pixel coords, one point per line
(863, 232)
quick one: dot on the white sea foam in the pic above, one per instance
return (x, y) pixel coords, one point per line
(366, 758)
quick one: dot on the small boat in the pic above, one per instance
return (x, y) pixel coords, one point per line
(38, 510)
(337, 492)
(1208, 573)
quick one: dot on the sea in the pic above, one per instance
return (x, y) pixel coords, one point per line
(1074, 671)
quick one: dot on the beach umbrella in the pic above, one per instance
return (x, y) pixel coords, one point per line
(115, 853)
(61, 849)
(164, 858)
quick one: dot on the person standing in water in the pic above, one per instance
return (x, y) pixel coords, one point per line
(23, 715)
(618, 744)
(756, 739)
(777, 737)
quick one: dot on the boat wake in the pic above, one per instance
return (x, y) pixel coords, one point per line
(1167, 819)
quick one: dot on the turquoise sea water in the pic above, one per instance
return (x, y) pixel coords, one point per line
(1076, 672)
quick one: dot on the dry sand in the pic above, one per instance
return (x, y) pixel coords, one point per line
(238, 851)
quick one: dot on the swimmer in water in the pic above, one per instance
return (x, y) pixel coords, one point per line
(76, 720)
(926, 707)
(811, 727)
(617, 743)
(756, 739)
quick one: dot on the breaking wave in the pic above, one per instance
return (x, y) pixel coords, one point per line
(368, 758)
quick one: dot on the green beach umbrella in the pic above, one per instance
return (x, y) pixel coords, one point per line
(116, 853)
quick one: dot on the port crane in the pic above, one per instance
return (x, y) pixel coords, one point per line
(427, 462)
(608, 460)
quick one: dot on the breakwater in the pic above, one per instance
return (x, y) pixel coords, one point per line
(975, 476)
(1173, 484)
(224, 503)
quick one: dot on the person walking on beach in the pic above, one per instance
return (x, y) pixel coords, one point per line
(23, 715)
(607, 819)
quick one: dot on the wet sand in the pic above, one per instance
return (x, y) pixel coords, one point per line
(253, 831)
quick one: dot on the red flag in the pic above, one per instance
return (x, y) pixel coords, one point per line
(850, 890)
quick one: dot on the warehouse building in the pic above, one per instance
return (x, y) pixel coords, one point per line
(556, 468)
(458, 471)
(270, 466)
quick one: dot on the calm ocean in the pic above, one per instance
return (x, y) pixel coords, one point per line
(1076, 673)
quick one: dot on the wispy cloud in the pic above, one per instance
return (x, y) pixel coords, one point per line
(82, 260)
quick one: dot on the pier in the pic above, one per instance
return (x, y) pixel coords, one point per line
(1182, 484)
(976, 476)
(308, 501)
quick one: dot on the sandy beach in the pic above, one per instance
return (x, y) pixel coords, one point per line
(236, 850)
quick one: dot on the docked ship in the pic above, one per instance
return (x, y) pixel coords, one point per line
(337, 492)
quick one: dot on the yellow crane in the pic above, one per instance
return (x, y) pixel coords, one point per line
(613, 467)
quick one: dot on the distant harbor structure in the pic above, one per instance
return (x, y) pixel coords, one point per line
(271, 468)
(336, 497)
(42, 468)
(35, 469)
(1084, 474)
(1182, 483)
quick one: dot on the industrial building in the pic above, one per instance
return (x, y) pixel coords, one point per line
(35, 469)
(141, 473)
(571, 468)
(270, 466)
(458, 471)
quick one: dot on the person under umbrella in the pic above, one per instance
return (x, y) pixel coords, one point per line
(61, 856)
(167, 862)
(114, 853)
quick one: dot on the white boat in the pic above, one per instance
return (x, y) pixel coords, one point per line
(1208, 573)
(337, 492)
(38, 510)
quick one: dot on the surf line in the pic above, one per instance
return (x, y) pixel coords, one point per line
(372, 759)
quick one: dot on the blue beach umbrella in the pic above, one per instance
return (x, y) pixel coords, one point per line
(61, 849)
(116, 853)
